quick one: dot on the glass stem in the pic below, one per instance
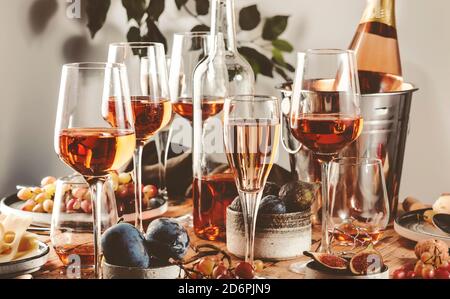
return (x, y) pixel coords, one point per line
(250, 203)
(161, 153)
(324, 244)
(137, 174)
(96, 188)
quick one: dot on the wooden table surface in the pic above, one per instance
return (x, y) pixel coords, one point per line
(396, 252)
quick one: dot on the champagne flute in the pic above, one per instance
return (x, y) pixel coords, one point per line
(147, 74)
(325, 115)
(83, 140)
(251, 135)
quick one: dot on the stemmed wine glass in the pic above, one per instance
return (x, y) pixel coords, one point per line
(325, 115)
(148, 79)
(189, 48)
(84, 140)
(251, 135)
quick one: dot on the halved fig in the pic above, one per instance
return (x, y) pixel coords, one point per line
(328, 260)
(367, 261)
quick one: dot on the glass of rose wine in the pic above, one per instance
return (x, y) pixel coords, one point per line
(325, 116)
(150, 103)
(84, 140)
(251, 137)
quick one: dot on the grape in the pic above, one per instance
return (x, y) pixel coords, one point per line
(226, 275)
(428, 272)
(410, 274)
(219, 270)
(258, 265)
(71, 205)
(25, 194)
(122, 192)
(47, 205)
(41, 197)
(48, 180)
(244, 270)
(150, 191)
(38, 208)
(124, 178)
(86, 206)
(50, 189)
(36, 190)
(87, 196)
(29, 205)
(427, 258)
(78, 192)
(418, 268)
(206, 266)
(399, 274)
(115, 180)
(441, 273)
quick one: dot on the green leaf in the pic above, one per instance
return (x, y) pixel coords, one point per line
(135, 9)
(200, 28)
(202, 7)
(180, 3)
(96, 11)
(154, 34)
(260, 63)
(134, 35)
(277, 56)
(155, 9)
(282, 45)
(249, 17)
(274, 27)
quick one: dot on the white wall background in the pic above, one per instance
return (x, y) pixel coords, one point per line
(30, 68)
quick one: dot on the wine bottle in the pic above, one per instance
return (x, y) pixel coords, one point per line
(376, 47)
(240, 74)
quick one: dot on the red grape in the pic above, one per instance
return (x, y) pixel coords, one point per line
(441, 273)
(206, 266)
(150, 191)
(399, 274)
(428, 272)
(410, 274)
(219, 270)
(244, 271)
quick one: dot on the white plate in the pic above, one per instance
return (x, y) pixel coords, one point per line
(27, 265)
(313, 271)
(412, 226)
(11, 205)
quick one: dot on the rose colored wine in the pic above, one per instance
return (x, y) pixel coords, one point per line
(210, 108)
(150, 115)
(212, 195)
(96, 151)
(376, 48)
(251, 147)
(326, 134)
(84, 251)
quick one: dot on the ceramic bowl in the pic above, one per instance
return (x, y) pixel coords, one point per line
(278, 236)
(118, 272)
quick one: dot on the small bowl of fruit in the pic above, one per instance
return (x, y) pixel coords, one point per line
(130, 254)
(283, 225)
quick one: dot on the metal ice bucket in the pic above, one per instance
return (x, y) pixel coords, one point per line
(386, 118)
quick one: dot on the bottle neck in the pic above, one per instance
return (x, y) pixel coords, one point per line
(223, 21)
(381, 11)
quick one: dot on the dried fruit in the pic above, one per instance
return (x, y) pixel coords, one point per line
(329, 261)
(428, 216)
(435, 250)
(367, 261)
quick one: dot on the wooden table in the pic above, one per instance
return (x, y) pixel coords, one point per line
(396, 252)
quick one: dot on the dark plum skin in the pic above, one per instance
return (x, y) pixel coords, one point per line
(271, 189)
(166, 239)
(124, 245)
(272, 204)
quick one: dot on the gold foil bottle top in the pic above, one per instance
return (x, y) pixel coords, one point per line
(381, 11)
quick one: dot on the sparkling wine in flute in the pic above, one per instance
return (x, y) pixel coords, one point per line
(251, 148)
(95, 152)
(376, 47)
(326, 134)
(210, 107)
(150, 115)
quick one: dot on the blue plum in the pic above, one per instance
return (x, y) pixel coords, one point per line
(124, 245)
(272, 204)
(166, 239)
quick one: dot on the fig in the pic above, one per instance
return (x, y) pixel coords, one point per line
(437, 249)
(328, 260)
(367, 261)
(298, 196)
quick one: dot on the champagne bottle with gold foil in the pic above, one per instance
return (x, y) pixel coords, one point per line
(376, 47)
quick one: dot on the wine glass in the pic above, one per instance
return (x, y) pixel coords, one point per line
(359, 206)
(147, 74)
(251, 135)
(189, 48)
(83, 139)
(325, 115)
(71, 231)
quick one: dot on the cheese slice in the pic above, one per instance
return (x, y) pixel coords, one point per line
(2, 234)
(18, 226)
(28, 246)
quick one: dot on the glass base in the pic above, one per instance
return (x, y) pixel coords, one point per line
(298, 267)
